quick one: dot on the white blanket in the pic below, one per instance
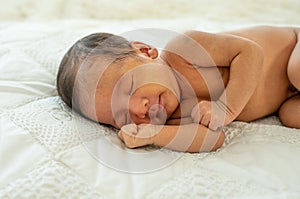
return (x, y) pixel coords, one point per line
(46, 151)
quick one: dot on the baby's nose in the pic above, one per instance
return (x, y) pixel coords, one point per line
(140, 107)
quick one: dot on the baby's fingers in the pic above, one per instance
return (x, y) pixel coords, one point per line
(214, 126)
(206, 119)
(120, 135)
(215, 123)
(128, 139)
(130, 129)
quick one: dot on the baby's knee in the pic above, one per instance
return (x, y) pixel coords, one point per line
(289, 112)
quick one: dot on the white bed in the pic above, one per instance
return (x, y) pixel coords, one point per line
(46, 151)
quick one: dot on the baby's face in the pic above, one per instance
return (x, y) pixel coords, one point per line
(141, 92)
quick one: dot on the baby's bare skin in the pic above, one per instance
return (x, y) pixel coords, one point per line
(273, 87)
(251, 65)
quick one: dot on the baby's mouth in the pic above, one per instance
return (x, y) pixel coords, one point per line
(157, 113)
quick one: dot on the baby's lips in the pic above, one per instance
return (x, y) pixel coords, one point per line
(157, 114)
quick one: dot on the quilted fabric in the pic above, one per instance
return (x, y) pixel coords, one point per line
(47, 151)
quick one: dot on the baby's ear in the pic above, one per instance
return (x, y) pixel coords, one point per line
(145, 49)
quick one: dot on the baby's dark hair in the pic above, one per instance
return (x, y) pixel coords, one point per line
(104, 45)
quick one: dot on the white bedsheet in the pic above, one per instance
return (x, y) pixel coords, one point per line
(43, 155)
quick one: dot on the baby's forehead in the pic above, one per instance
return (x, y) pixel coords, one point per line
(116, 70)
(108, 79)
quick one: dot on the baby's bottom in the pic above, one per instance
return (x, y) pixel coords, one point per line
(293, 68)
(289, 112)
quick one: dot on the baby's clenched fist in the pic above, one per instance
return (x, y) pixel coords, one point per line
(138, 135)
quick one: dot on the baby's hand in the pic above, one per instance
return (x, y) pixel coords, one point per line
(212, 114)
(138, 135)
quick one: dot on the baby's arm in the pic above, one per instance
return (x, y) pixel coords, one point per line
(245, 59)
(245, 72)
(189, 138)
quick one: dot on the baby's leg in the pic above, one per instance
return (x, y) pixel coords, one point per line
(289, 112)
(293, 68)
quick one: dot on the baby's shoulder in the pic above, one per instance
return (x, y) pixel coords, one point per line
(190, 48)
(190, 39)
